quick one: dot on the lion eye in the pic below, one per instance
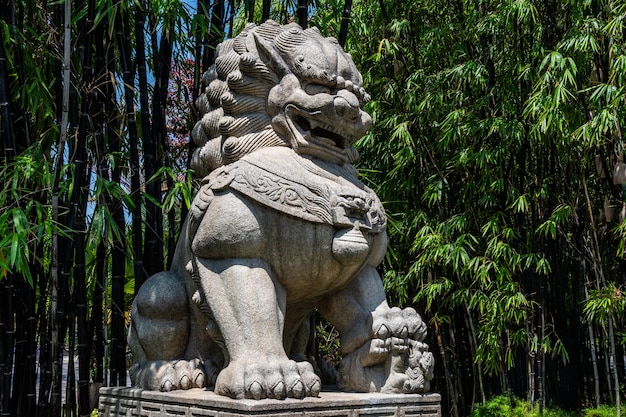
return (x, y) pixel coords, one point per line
(313, 89)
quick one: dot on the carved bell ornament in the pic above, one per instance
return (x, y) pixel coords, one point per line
(350, 246)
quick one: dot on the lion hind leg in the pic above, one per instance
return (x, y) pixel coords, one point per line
(159, 336)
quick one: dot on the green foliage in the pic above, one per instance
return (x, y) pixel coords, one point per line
(25, 213)
(489, 121)
(602, 411)
(328, 344)
(608, 302)
(513, 407)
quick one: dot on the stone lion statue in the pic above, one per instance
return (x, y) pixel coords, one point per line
(280, 226)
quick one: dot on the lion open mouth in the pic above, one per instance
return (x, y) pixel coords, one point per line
(321, 132)
(318, 138)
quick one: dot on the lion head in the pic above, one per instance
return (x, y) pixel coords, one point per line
(278, 85)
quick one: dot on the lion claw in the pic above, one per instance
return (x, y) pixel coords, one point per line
(256, 390)
(167, 385)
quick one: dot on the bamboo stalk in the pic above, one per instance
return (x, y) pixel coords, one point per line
(97, 315)
(601, 283)
(250, 10)
(146, 131)
(197, 56)
(153, 149)
(30, 334)
(215, 34)
(45, 364)
(613, 368)
(540, 353)
(303, 13)
(266, 10)
(345, 22)
(474, 344)
(7, 338)
(70, 378)
(118, 340)
(55, 267)
(19, 354)
(442, 352)
(23, 113)
(79, 207)
(5, 112)
(81, 177)
(118, 266)
(7, 345)
(592, 344)
(103, 119)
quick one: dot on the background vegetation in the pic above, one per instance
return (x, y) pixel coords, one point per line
(497, 151)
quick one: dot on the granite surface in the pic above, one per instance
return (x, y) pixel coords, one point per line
(127, 402)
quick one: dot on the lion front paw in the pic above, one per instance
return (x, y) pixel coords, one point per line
(392, 330)
(394, 322)
(277, 378)
(168, 375)
(394, 359)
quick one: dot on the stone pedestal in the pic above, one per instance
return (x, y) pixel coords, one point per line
(133, 402)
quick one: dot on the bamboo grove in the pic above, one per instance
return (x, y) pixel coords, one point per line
(496, 149)
(498, 152)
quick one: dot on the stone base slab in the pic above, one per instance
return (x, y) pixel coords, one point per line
(134, 402)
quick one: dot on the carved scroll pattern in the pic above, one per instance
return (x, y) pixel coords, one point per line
(308, 203)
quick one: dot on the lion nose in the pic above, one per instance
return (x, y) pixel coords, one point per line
(347, 106)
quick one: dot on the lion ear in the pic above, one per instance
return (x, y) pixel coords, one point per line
(268, 55)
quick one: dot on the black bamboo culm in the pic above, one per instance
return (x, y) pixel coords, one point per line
(44, 334)
(154, 216)
(153, 148)
(167, 160)
(97, 316)
(21, 123)
(23, 304)
(199, 20)
(231, 18)
(95, 321)
(144, 108)
(250, 10)
(118, 339)
(5, 112)
(79, 200)
(104, 117)
(215, 34)
(114, 125)
(69, 404)
(27, 403)
(18, 135)
(172, 226)
(118, 258)
(6, 345)
(106, 124)
(266, 9)
(61, 255)
(345, 22)
(303, 13)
